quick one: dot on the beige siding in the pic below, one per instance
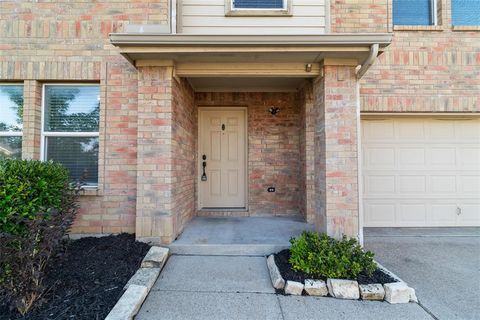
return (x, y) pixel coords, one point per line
(208, 17)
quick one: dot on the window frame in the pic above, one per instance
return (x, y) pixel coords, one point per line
(15, 133)
(285, 11)
(433, 16)
(45, 134)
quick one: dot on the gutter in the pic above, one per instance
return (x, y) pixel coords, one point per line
(369, 61)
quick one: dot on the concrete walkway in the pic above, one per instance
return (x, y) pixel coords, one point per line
(442, 264)
(230, 287)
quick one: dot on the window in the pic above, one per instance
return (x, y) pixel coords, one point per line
(414, 12)
(70, 129)
(11, 120)
(258, 4)
(466, 12)
(261, 8)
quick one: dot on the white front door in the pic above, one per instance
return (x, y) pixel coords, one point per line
(222, 157)
(421, 172)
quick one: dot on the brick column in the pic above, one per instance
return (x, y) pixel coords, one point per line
(335, 141)
(155, 217)
(32, 118)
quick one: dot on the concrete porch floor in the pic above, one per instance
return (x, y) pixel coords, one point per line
(251, 236)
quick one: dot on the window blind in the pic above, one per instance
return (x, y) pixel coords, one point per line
(72, 108)
(412, 12)
(258, 4)
(466, 12)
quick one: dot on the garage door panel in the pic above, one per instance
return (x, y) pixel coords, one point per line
(441, 130)
(383, 157)
(469, 214)
(467, 130)
(378, 185)
(443, 157)
(470, 184)
(443, 184)
(442, 214)
(412, 184)
(421, 172)
(411, 214)
(406, 130)
(381, 214)
(469, 157)
(379, 130)
(411, 157)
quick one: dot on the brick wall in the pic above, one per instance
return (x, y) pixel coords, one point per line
(307, 153)
(67, 41)
(184, 143)
(335, 143)
(359, 16)
(273, 155)
(425, 69)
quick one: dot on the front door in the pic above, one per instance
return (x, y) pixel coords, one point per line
(222, 157)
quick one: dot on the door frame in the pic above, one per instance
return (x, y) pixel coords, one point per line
(201, 109)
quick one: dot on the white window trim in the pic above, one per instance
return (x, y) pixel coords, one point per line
(433, 5)
(45, 134)
(285, 11)
(12, 133)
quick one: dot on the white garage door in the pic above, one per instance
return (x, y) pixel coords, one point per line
(421, 172)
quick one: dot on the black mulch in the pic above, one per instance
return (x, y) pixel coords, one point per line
(88, 280)
(281, 260)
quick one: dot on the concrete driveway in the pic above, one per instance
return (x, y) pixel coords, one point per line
(442, 264)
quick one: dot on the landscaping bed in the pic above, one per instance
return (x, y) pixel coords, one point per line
(87, 281)
(285, 268)
(319, 265)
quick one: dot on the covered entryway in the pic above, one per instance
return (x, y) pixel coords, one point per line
(421, 171)
(248, 125)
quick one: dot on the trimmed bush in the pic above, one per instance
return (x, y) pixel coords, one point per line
(321, 256)
(37, 208)
(28, 187)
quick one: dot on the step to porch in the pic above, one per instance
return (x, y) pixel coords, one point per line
(239, 236)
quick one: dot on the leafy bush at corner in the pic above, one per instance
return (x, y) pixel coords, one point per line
(37, 207)
(28, 187)
(321, 256)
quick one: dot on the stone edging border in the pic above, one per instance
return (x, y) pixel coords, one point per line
(396, 292)
(139, 285)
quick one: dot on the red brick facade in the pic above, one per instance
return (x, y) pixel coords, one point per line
(149, 120)
(425, 69)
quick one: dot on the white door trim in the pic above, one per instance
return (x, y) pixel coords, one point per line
(199, 155)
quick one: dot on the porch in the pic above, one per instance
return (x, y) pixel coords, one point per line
(238, 235)
(297, 135)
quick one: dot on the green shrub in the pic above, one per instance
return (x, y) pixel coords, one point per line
(38, 205)
(321, 256)
(28, 187)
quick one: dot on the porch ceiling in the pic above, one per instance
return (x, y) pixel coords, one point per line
(246, 84)
(186, 50)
